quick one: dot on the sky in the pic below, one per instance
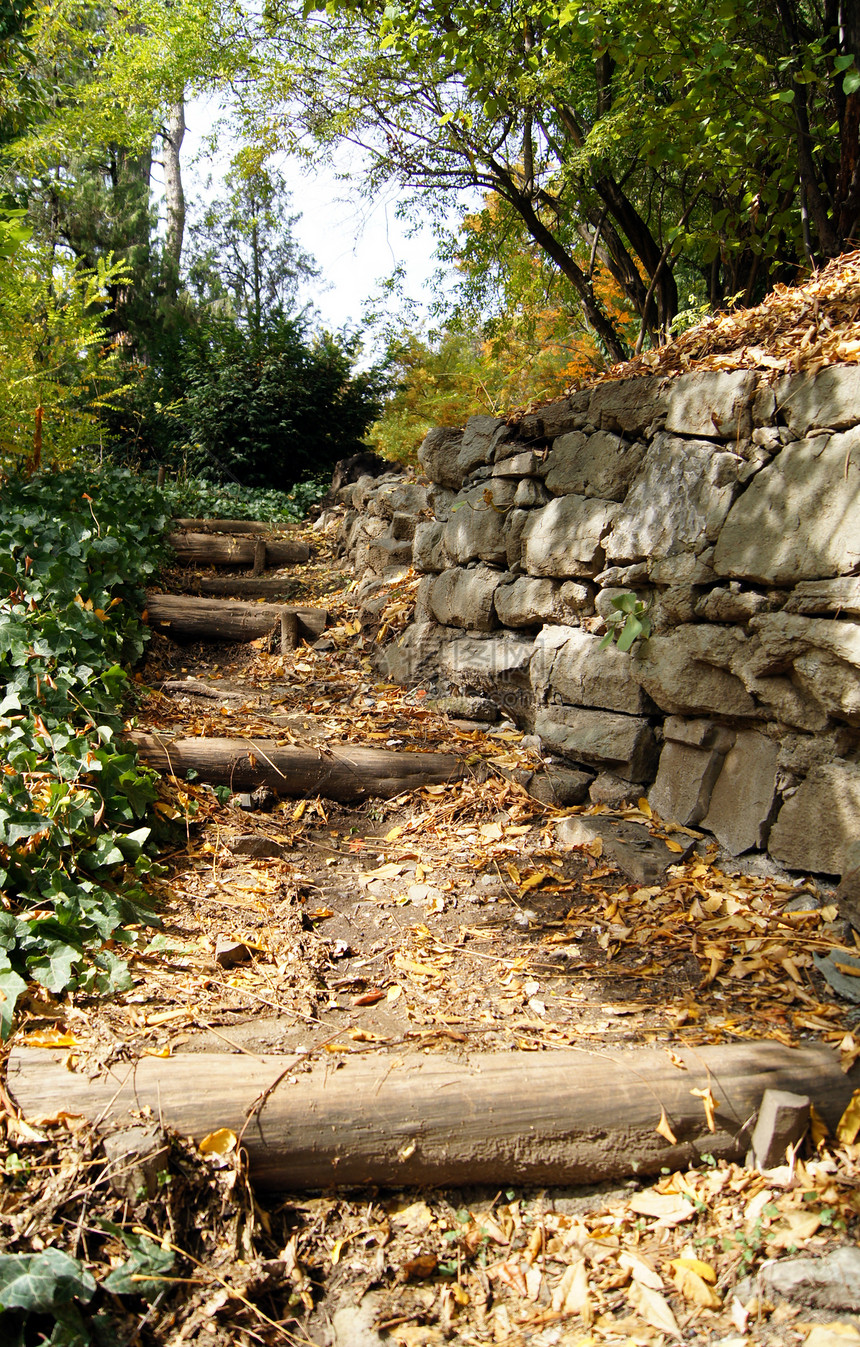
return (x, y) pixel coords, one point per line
(357, 244)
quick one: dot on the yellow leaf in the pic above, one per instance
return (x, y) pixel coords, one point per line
(645, 808)
(849, 1124)
(412, 966)
(534, 880)
(673, 846)
(818, 1129)
(221, 1142)
(710, 1105)
(665, 1130)
(393, 835)
(849, 1052)
(50, 1038)
(513, 872)
(703, 1270)
(394, 991)
(693, 1287)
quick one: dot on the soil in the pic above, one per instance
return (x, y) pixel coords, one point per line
(445, 920)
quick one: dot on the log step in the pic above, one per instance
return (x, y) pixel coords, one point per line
(186, 617)
(241, 586)
(337, 773)
(213, 549)
(228, 526)
(561, 1118)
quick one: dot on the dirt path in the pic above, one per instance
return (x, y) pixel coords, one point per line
(445, 920)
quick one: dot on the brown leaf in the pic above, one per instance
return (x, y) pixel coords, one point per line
(665, 1130)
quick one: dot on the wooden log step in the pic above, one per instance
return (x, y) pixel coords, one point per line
(336, 773)
(241, 586)
(213, 549)
(560, 1118)
(185, 617)
(228, 526)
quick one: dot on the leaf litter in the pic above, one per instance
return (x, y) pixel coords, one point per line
(445, 920)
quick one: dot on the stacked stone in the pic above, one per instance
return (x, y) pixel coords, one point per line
(730, 504)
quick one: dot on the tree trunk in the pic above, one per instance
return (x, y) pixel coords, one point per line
(560, 1118)
(196, 619)
(174, 196)
(212, 549)
(340, 772)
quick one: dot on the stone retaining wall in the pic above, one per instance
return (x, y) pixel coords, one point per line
(730, 504)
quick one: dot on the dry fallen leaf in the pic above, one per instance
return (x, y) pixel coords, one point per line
(849, 1124)
(221, 1142)
(665, 1130)
(653, 1308)
(710, 1105)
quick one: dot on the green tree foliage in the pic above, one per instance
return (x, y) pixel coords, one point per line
(243, 247)
(56, 372)
(710, 143)
(274, 405)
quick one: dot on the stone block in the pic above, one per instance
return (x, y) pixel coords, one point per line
(422, 611)
(559, 786)
(848, 893)
(584, 675)
(685, 779)
(438, 457)
(525, 463)
(136, 1156)
(624, 744)
(464, 598)
(466, 708)
(564, 539)
(628, 405)
(383, 552)
(684, 568)
(516, 522)
(623, 577)
(396, 498)
(831, 1282)
(530, 494)
(476, 527)
(428, 552)
(439, 500)
(600, 465)
(677, 501)
(829, 398)
(840, 595)
(742, 800)
(698, 733)
(414, 657)
(782, 1120)
(733, 605)
(816, 826)
(823, 653)
(612, 790)
(529, 602)
(687, 673)
(497, 669)
(672, 606)
(630, 846)
(773, 536)
(476, 448)
(549, 640)
(714, 403)
(557, 418)
(403, 525)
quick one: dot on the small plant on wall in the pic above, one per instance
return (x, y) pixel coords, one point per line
(628, 622)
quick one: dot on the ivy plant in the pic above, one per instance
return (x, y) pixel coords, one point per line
(75, 805)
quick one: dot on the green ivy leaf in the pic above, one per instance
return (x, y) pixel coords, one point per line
(43, 1282)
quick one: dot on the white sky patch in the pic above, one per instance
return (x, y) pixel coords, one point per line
(358, 244)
